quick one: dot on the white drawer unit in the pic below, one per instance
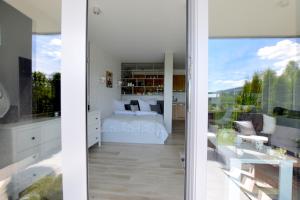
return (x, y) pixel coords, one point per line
(38, 138)
(94, 128)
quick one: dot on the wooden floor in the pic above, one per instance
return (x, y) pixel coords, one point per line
(138, 171)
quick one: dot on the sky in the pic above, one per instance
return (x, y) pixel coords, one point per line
(46, 53)
(231, 61)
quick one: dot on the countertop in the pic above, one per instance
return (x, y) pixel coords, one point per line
(178, 102)
(28, 122)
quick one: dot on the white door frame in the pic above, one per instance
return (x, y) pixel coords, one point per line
(74, 151)
(73, 102)
(197, 104)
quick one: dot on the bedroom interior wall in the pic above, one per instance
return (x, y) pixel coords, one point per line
(101, 97)
(168, 90)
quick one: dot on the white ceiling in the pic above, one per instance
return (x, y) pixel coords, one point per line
(46, 14)
(142, 30)
(254, 18)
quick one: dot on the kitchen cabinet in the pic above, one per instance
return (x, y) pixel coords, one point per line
(178, 111)
(179, 83)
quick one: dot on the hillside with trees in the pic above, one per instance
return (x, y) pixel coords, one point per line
(267, 90)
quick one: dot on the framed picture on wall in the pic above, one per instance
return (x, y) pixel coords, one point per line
(109, 79)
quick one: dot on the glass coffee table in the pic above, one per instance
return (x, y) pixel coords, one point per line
(247, 153)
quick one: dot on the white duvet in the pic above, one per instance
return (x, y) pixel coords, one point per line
(135, 125)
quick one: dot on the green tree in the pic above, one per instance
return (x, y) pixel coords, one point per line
(55, 88)
(282, 93)
(251, 92)
(297, 91)
(269, 78)
(243, 98)
(290, 73)
(255, 92)
(41, 93)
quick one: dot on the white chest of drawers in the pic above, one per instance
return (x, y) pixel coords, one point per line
(94, 128)
(36, 139)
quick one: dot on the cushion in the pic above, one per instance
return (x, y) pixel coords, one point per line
(255, 118)
(269, 124)
(245, 127)
(144, 105)
(135, 102)
(119, 105)
(156, 108)
(127, 106)
(161, 103)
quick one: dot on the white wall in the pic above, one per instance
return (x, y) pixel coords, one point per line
(142, 97)
(168, 91)
(100, 96)
(180, 96)
(179, 72)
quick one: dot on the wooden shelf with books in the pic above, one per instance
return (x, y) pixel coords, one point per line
(142, 78)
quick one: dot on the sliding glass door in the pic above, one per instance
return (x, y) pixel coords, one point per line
(30, 109)
(253, 105)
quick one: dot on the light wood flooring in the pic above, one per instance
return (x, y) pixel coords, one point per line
(138, 171)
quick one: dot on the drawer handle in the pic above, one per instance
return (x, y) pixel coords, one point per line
(96, 118)
(96, 128)
(96, 138)
(33, 138)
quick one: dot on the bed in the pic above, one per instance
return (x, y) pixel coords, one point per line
(125, 128)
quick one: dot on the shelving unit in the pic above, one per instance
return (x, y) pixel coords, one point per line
(142, 78)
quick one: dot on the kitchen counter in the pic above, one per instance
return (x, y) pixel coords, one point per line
(177, 102)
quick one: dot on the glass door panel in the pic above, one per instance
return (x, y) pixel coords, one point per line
(254, 113)
(30, 133)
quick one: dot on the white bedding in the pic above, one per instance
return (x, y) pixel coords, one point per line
(134, 129)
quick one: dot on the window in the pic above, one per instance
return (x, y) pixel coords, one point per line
(254, 117)
(30, 124)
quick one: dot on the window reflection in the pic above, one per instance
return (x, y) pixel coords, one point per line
(254, 117)
(30, 135)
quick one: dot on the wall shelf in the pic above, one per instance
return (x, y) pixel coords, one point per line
(142, 78)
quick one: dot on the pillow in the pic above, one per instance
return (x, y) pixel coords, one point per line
(140, 113)
(156, 108)
(119, 105)
(144, 106)
(127, 106)
(135, 102)
(161, 104)
(269, 124)
(256, 119)
(125, 112)
(245, 127)
(134, 108)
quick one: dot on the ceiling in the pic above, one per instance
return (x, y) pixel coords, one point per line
(142, 30)
(46, 14)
